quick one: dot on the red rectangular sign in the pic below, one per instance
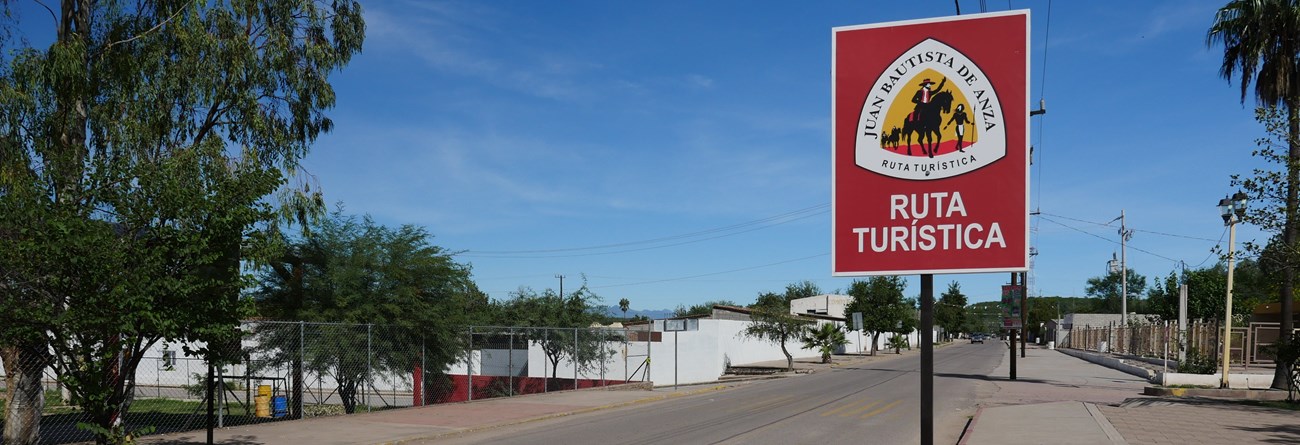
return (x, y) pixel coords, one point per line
(929, 146)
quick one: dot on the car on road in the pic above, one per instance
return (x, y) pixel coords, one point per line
(977, 338)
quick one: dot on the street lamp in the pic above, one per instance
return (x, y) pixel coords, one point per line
(1232, 210)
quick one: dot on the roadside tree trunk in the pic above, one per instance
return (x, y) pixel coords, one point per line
(24, 398)
(1281, 375)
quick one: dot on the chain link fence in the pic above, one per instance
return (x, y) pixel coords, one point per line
(294, 370)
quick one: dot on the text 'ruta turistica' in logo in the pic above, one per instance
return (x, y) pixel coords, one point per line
(932, 114)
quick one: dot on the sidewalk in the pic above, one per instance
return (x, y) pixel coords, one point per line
(1064, 400)
(397, 426)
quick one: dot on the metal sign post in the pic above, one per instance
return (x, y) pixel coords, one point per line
(909, 196)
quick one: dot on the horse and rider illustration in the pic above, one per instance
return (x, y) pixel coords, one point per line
(925, 122)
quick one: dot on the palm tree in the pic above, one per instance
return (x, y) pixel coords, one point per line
(624, 305)
(1261, 43)
(826, 338)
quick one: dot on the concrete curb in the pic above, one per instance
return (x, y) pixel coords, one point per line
(1112, 363)
(1235, 394)
(556, 415)
(1104, 423)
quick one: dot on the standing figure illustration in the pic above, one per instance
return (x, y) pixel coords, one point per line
(924, 95)
(926, 118)
(959, 117)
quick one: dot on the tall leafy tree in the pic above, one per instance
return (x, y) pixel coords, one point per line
(880, 300)
(950, 312)
(1107, 289)
(389, 281)
(137, 155)
(773, 322)
(572, 313)
(624, 305)
(1261, 44)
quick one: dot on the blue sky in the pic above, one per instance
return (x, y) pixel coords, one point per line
(691, 140)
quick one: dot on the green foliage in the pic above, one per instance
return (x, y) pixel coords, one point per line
(1198, 363)
(772, 320)
(950, 310)
(1287, 353)
(793, 291)
(898, 342)
(1107, 289)
(624, 305)
(825, 338)
(1206, 288)
(137, 153)
(350, 270)
(1259, 45)
(579, 310)
(880, 300)
(704, 308)
(117, 434)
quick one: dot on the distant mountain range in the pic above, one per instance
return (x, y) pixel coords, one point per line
(653, 314)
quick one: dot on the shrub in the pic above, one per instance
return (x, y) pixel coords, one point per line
(1197, 363)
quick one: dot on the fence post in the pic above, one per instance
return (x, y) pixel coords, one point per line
(298, 382)
(511, 361)
(369, 353)
(546, 378)
(424, 375)
(602, 358)
(575, 358)
(469, 366)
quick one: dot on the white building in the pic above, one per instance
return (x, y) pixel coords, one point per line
(825, 304)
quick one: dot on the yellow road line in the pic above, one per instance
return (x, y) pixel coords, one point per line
(860, 410)
(840, 408)
(882, 409)
(763, 404)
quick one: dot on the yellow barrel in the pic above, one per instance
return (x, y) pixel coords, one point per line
(262, 405)
(264, 390)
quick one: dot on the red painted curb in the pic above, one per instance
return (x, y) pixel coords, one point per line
(970, 427)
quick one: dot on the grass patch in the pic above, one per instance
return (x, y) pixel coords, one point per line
(1191, 386)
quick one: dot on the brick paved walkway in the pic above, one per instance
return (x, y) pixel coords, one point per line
(1201, 421)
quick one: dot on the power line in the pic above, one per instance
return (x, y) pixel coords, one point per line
(1106, 239)
(783, 218)
(712, 273)
(1135, 230)
(639, 249)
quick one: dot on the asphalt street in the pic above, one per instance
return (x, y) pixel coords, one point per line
(877, 402)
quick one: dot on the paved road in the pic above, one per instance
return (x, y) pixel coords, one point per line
(872, 403)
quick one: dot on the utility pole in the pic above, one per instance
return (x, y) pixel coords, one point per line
(1024, 309)
(1012, 334)
(561, 277)
(1124, 235)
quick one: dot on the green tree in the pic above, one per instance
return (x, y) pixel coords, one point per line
(825, 338)
(950, 310)
(572, 314)
(351, 270)
(704, 308)
(1260, 44)
(137, 155)
(624, 305)
(1206, 289)
(773, 322)
(1107, 289)
(880, 300)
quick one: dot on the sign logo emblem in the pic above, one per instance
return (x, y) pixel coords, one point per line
(932, 114)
